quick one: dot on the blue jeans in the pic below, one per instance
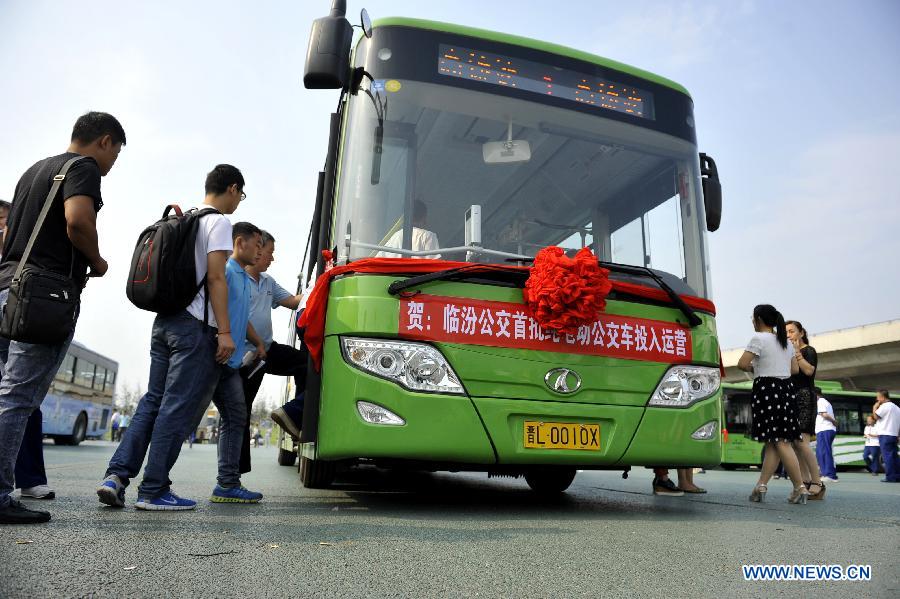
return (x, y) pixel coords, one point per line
(871, 453)
(824, 455)
(227, 392)
(182, 364)
(888, 444)
(26, 371)
(30, 470)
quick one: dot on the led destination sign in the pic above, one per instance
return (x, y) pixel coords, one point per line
(496, 69)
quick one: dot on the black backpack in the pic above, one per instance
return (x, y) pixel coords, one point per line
(163, 276)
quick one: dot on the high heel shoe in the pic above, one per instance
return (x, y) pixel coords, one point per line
(799, 495)
(818, 495)
(759, 493)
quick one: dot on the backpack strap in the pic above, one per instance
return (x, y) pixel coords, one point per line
(54, 189)
(203, 284)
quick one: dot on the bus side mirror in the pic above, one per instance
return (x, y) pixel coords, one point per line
(328, 54)
(712, 192)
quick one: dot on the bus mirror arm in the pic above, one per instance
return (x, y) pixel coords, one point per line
(712, 192)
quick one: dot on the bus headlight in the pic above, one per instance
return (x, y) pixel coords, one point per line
(684, 385)
(415, 366)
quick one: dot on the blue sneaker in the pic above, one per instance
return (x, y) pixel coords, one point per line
(168, 502)
(234, 495)
(111, 491)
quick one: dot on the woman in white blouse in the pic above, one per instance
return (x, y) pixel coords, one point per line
(771, 360)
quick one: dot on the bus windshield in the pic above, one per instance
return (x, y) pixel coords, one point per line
(422, 161)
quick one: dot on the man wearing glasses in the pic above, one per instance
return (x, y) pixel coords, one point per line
(185, 349)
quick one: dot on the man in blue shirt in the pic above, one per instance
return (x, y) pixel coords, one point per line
(283, 360)
(227, 391)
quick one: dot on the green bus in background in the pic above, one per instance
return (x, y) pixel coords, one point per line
(464, 145)
(850, 410)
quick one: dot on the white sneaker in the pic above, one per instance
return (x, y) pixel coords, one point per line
(829, 479)
(39, 492)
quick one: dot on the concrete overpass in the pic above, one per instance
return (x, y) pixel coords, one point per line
(864, 358)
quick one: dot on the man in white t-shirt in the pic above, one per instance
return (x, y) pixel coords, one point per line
(887, 427)
(826, 430)
(871, 450)
(422, 238)
(184, 351)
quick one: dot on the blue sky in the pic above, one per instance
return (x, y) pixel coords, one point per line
(798, 102)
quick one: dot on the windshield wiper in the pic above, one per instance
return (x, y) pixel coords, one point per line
(692, 317)
(463, 272)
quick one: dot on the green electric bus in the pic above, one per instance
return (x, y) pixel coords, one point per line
(850, 410)
(470, 147)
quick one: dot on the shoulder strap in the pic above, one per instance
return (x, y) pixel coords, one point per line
(54, 189)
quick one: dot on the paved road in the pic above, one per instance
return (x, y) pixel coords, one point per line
(458, 535)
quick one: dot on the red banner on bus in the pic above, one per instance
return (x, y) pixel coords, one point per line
(501, 324)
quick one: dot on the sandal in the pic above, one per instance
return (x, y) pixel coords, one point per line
(818, 495)
(759, 493)
(696, 490)
(798, 495)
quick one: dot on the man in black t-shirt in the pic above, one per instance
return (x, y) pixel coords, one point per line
(66, 244)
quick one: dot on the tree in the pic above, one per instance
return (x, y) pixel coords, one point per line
(127, 397)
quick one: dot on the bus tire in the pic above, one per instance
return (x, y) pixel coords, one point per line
(286, 458)
(79, 431)
(316, 474)
(551, 481)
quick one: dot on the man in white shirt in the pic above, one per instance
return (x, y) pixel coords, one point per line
(826, 430)
(887, 427)
(184, 350)
(872, 449)
(422, 238)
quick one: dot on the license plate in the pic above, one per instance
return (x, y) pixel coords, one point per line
(561, 435)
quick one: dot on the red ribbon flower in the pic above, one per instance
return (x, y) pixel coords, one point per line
(565, 293)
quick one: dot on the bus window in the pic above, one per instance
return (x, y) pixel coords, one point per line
(110, 385)
(848, 418)
(737, 413)
(628, 244)
(84, 373)
(66, 370)
(665, 246)
(99, 378)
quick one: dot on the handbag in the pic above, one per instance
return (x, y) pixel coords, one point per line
(43, 305)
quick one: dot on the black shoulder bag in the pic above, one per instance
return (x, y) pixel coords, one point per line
(43, 305)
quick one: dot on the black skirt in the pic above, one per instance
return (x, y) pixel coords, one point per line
(774, 410)
(806, 410)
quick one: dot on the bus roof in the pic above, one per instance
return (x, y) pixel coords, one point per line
(77, 349)
(529, 43)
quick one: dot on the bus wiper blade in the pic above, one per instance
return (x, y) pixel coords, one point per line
(692, 317)
(474, 270)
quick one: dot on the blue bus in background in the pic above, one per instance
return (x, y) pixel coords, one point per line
(79, 404)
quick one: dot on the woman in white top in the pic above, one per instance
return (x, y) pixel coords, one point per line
(771, 360)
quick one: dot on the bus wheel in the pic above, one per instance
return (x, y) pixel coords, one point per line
(79, 432)
(316, 474)
(286, 458)
(550, 482)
